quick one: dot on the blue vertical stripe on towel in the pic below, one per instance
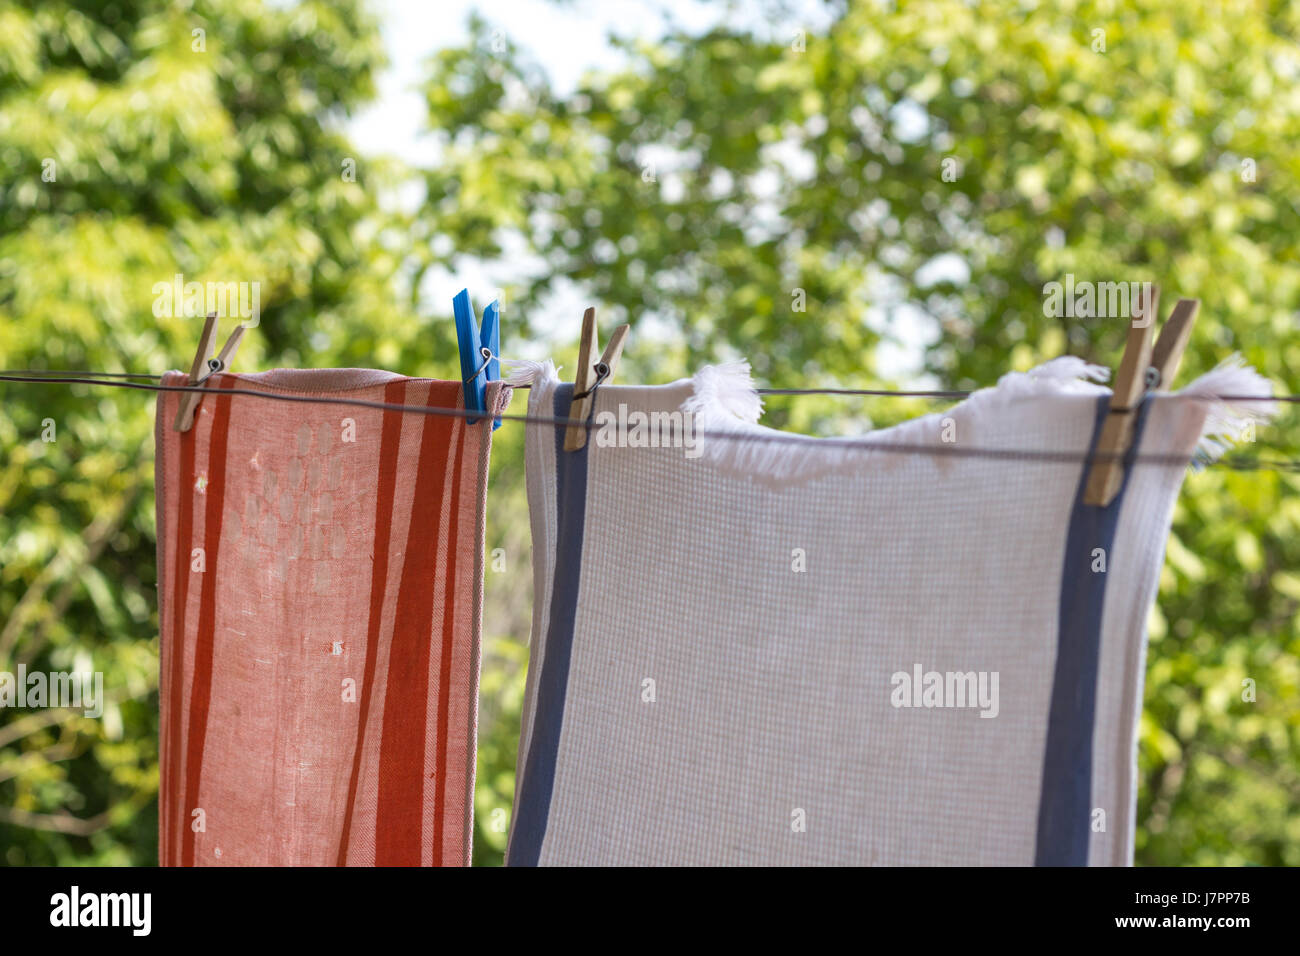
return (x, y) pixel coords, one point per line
(1064, 811)
(539, 771)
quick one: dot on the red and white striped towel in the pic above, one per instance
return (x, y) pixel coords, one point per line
(320, 576)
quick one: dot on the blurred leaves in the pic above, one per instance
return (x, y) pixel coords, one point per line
(134, 152)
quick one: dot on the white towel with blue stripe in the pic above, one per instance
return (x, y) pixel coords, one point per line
(755, 648)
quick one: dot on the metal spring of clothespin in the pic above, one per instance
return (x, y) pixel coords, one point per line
(488, 357)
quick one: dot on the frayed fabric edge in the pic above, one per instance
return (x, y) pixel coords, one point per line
(527, 372)
(1228, 422)
(726, 400)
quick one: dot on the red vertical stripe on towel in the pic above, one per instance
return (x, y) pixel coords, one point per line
(448, 642)
(201, 688)
(399, 823)
(389, 445)
(171, 771)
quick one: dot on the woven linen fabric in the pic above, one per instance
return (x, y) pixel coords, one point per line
(320, 588)
(759, 648)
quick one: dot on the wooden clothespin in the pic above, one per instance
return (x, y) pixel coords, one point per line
(590, 374)
(480, 351)
(1143, 367)
(204, 366)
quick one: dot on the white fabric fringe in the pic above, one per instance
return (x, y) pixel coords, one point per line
(526, 372)
(1228, 422)
(725, 400)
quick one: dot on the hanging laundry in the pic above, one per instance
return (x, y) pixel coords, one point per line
(320, 572)
(750, 647)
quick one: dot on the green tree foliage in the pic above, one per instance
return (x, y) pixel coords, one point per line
(697, 192)
(140, 140)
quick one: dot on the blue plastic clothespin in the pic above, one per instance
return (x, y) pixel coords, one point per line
(475, 370)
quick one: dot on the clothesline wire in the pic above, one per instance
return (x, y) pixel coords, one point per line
(880, 392)
(66, 372)
(1236, 463)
